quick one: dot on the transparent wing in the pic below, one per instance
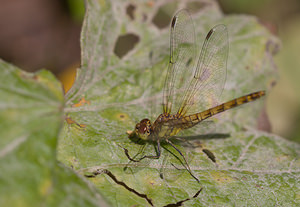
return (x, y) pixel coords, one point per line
(181, 62)
(207, 83)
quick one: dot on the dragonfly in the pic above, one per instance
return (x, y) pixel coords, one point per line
(192, 87)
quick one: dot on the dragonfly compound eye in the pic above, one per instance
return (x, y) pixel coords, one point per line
(142, 129)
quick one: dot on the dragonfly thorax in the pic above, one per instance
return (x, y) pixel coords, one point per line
(143, 129)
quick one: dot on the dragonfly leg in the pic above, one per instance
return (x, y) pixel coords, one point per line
(187, 165)
(154, 156)
(146, 156)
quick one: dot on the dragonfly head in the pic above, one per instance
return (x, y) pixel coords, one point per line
(143, 129)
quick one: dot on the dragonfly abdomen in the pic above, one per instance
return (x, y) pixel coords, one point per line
(194, 119)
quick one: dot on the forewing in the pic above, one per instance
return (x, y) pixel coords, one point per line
(182, 60)
(207, 84)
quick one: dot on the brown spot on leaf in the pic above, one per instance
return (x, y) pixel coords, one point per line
(150, 3)
(81, 102)
(71, 121)
(210, 155)
(122, 116)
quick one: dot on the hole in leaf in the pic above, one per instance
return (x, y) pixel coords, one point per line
(273, 83)
(125, 43)
(163, 16)
(144, 17)
(130, 11)
(196, 6)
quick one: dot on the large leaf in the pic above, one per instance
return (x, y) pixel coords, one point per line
(252, 168)
(111, 95)
(31, 115)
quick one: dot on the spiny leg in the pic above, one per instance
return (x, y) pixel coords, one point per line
(146, 156)
(187, 165)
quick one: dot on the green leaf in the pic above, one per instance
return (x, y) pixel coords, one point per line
(111, 95)
(252, 168)
(31, 115)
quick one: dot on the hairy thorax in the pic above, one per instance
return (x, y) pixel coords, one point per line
(165, 126)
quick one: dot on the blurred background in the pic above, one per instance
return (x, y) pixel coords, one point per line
(39, 34)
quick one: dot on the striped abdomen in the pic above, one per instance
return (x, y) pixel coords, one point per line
(192, 120)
